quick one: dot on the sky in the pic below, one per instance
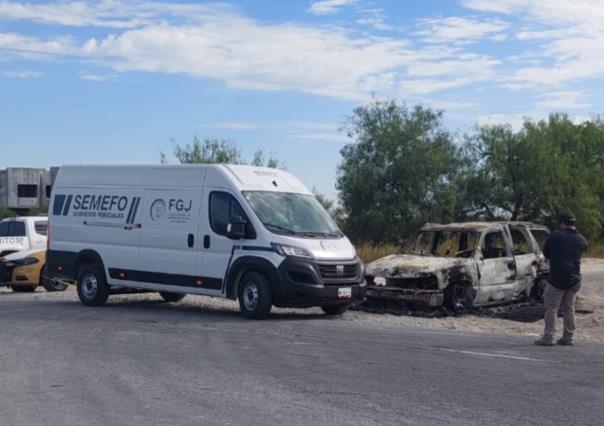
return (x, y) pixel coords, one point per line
(101, 82)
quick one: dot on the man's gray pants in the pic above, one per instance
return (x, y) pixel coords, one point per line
(554, 300)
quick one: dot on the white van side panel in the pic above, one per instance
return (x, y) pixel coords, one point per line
(100, 219)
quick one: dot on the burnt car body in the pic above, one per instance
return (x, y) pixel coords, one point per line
(461, 265)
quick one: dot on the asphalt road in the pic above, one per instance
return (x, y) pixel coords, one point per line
(151, 363)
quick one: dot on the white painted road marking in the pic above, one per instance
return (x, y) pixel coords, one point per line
(492, 355)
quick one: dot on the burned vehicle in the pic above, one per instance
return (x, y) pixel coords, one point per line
(461, 265)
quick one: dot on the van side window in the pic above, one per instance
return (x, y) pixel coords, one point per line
(41, 228)
(224, 207)
(494, 246)
(12, 229)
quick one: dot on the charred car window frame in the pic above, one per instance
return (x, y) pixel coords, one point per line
(471, 237)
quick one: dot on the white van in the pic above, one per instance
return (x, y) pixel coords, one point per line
(238, 232)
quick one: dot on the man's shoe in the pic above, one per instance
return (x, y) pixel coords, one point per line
(545, 341)
(565, 341)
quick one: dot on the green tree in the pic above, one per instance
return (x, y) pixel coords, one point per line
(206, 151)
(4, 213)
(535, 173)
(218, 151)
(262, 160)
(399, 172)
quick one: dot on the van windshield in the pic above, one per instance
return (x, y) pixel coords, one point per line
(292, 214)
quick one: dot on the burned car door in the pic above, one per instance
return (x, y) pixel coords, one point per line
(497, 269)
(526, 261)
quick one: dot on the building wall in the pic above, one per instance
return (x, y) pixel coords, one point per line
(3, 188)
(12, 178)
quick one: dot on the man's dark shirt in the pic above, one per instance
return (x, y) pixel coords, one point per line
(564, 250)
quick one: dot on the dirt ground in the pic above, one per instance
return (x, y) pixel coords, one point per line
(518, 319)
(523, 318)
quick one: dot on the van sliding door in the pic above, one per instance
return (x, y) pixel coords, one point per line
(170, 228)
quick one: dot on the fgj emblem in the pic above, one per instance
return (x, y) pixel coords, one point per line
(158, 210)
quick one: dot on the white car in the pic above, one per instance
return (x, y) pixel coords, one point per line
(23, 233)
(239, 232)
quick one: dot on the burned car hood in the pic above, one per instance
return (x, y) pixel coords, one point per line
(402, 265)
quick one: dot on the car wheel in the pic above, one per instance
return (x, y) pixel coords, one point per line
(92, 286)
(49, 284)
(172, 297)
(23, 288)
(458, 298)
(333, 310)
(255, 296)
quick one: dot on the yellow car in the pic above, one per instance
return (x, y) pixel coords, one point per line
(24, 271)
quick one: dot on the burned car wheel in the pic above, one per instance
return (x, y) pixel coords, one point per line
(458, 298)
(538, 289)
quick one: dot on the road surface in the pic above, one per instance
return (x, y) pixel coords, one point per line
(151, 363)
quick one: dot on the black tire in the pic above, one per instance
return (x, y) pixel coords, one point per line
(255, 296)
(333, 310)
(48, 284)
(538, 289)
(92, 285)
(24, 288)
(458, 298)
(172, 297)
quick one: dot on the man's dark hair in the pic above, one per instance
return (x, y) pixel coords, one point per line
(567, 219)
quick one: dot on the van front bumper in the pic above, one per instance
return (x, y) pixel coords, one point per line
(307, 282)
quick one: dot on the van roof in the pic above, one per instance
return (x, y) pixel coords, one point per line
(243, 177)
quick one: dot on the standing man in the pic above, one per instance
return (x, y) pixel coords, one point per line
(563, 249)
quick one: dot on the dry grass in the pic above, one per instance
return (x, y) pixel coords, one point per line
(596, 249)
(369, 252)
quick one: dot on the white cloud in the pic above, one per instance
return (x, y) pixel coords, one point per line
(233, 125)
(563, 100)
(324, 137)
(458, 29)
(217, 42)
(327, 7)
(514, 120)
(23, 74)
(250, 55)
(571, 33)
(98, 77)
(107, 13)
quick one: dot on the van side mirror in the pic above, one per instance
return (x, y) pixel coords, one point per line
(237, 228)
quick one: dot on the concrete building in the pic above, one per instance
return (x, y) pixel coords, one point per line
(22, 189)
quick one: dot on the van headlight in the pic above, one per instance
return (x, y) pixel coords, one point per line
(285, 250)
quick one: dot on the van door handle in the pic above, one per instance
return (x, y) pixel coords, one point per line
(206, 241)
(191, 240)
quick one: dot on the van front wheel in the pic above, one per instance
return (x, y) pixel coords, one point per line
(92, 286)
(333, 310)
(255, 296)
(171, 297)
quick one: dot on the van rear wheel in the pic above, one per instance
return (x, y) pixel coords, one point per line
(92, 286)
(255, 296)
(172, 297)
(333, 310)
